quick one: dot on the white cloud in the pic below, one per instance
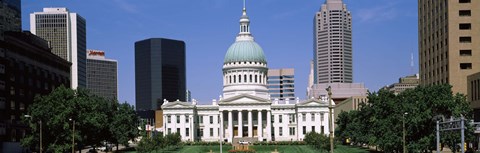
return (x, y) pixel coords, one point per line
(124, 5)
(383, 12)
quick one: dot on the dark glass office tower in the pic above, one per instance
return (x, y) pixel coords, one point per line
(159, 72)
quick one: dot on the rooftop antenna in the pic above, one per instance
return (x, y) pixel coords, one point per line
(411, 64)
(244, 4)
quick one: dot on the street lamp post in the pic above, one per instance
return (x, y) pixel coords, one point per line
(404, 133)
(40, 124)
(221, 131)
(330, 117)
(73, 136)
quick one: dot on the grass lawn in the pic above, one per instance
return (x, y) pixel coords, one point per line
(267, 149)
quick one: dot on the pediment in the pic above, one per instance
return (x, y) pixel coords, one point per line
(177, 104)
(244, 98)
(313, 102)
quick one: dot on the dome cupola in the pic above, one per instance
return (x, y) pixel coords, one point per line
(245, 49)
(245, 67)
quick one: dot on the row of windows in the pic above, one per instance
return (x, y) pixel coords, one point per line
(251, 79)
(313, 129)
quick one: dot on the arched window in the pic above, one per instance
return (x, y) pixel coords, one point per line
(235, 79)
(256, 78)
(239, 78)
(250, 78)
(230, 79)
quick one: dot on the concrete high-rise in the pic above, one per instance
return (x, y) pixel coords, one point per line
(404, 83)
(333, 44)
(66, 33)
(159, 72)
(10, 16)
(102, 75)
(449, 42)
(281, 84)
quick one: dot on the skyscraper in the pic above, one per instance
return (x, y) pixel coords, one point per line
(449, 43)
(66, 33)
(281, 84)
(101, 75)
(10, 16)
(159, 72)
(333, 43)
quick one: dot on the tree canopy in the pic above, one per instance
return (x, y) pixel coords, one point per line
(379, 122)
(96, 120)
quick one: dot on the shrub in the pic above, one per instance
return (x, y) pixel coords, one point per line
(317, 141)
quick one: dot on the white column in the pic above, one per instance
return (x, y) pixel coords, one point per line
(230, 126)
(164, 125)
(269, 126)
(240, 124)
(250, 124)
(260, 127)
(190, 123)
(221, 132)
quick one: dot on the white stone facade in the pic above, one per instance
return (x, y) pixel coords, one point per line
(262, 119)
(245, 111)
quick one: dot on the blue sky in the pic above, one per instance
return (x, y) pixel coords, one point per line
(384, 36)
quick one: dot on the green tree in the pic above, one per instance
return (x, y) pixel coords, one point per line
(54, 110)
(63, 107)
(123, 124)
(379, 122)
(317, 140)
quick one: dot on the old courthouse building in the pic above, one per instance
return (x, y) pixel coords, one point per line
(245, 111)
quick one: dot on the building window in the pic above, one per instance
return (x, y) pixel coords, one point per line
(304, 130)
(2, 85)
(465, 13)
(211, 119)
(323, 129)
(465, 66)
(291, 118)
(321, 117)
(280, 118)
(200, 119)
(169, 130)
(12, 105)
(465, 26)
(22, 106)
(280, 131)
(187, 132)
(465, 52)
(178, 130)
(186, 119)
(465, 39)
(292, 130)
(464, 1)
(178, 118)
(211, 132)
(169, 120)
(12, 91)
(313, 128)
(313, 117)
(304, 117)
(2, 103)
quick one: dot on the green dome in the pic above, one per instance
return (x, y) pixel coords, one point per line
(245, 51)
